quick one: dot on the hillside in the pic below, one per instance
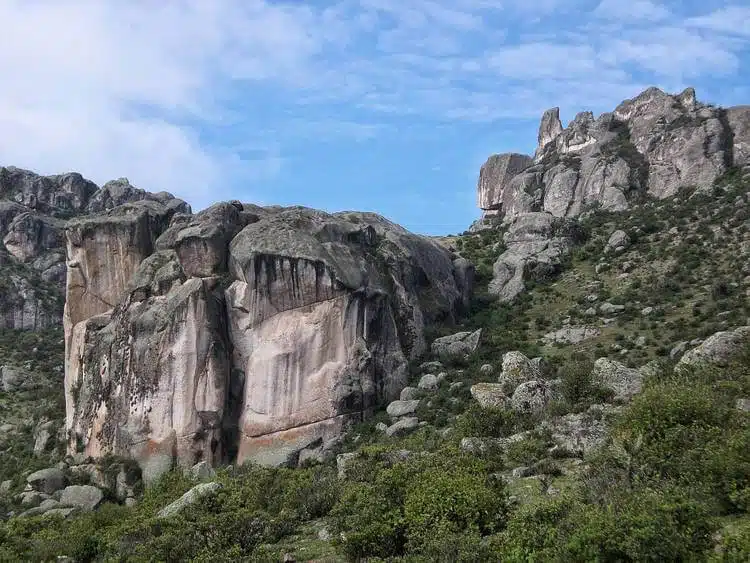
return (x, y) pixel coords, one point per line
(589, 400)
(673, 470)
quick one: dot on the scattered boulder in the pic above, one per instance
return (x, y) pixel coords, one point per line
(428, 382)
(63, 513)
(717, 350)
(30, 498)
(16, 379)
(202, 470)
(517, 368)
(397, 409)
(618, 241)
(402, 426)
(580, 433)
(486, 369)
(476, 445)
(532, 396)
(608, 308)
(5, 487)
(742, 405)
(456, 345)
(571, 335)
(623, 381)
(47, 480)
(489, 395)
(85, 497)
(409, 393)
(44, 435)
(191, 497)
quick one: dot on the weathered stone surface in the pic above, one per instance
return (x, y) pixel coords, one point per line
(47, 480)
(536, 245)
(62, 512)
(549, 128)
(34, 213)
(517, 369)
(193, 496)
(571, 335)
(618, 239)
(242, 333)
(165, 363)
(456, 345)
(610, 309)
(533, 396)
(409, 394)
(489, 395)
(85, 497)
(402, 426)
(44, 436)
(623, 381)
(717, 350)
(343, 462)
(202, 470)
(402, 408)
(493, 176)
(738, 119)
(580, 433)
(476, 445)
(654, 144)
(428, 382)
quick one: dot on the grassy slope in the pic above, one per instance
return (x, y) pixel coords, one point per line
(676, 473)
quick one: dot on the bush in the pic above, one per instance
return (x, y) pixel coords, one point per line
(401, 508)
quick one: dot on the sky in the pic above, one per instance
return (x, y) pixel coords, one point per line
(380, 105)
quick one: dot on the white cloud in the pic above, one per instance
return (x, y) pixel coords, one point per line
(638, 10)
(113, 88)
(80, 77)
(672, 52)
(734, 20)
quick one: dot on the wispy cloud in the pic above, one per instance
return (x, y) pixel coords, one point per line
(171, 94)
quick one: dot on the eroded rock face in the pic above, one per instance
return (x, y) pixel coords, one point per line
(34, 213)
(241, 333)
(537, 244)
(653, 144)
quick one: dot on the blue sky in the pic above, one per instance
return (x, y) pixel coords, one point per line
(382, 105)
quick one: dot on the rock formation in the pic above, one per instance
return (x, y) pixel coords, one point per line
(651, 145)
(34, 211)
(241, 333)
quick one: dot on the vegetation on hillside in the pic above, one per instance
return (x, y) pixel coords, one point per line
(670, 483)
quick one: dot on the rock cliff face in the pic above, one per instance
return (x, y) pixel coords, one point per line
(241, 333)
(34, 211)
(651, 145)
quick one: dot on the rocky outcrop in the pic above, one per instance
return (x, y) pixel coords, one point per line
(536, 246)
(241, 333)
(34, 213)
(495, 174)
(718, 350)
(651, 145)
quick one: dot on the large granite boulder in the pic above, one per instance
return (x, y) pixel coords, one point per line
(241, 333)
